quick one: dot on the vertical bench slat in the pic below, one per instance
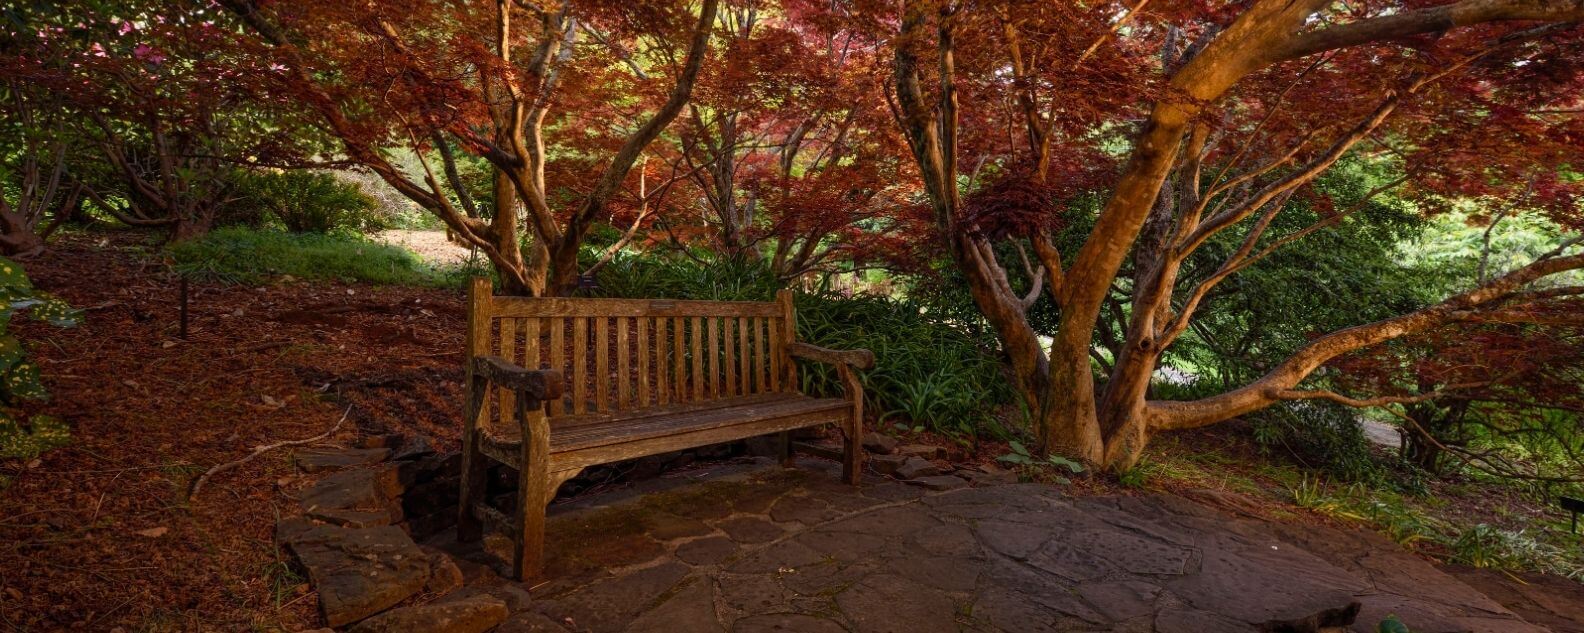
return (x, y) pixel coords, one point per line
(530, 329)
(767, 384)
(643, 360)
(788, 334)
(774, 328)
(579, 365)
(744, 357)
(508, 351)
(729, 365)
(678, 361)
(602, 372)
(624, 368)
(558, 360)
(698, 359)
(531, 358)
(731, 355)
(756, 367)
(662, 360)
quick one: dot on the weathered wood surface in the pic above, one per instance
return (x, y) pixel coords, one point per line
(857, 358)
(628, 378)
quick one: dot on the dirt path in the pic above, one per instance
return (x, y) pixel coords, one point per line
(432, 246)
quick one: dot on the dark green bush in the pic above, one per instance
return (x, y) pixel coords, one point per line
(724, 280)
(927, 372)
(1320, 435)
(20, 381)
(304, 202)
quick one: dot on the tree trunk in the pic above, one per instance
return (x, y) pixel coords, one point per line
(192, 227)
(514, 273)
(18, 238)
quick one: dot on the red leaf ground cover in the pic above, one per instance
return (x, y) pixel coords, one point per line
(81, 544)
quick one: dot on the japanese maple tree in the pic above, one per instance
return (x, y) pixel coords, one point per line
(562, 99)
(787, 144)
(1214, 118)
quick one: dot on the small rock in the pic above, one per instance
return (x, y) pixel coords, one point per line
(388, 440)
(915, 468)
(993, 479)
(369, 490)
(989, 475)
(313, 461)
(922, 450)
(351, 518)
(887, 464)
(415, 447)
(444, 575)
(360, 572)
(292, 529)
(879, 444)
(939, 482)
(515, 597)
(473, 615)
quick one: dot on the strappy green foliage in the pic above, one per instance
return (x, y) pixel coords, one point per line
(19, 376)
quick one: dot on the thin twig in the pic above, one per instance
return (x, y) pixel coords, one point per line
(198, 485)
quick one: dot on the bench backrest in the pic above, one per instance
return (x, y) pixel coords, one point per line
(623, 356)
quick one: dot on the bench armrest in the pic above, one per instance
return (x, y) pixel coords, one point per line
(539, 384)
(855, 358)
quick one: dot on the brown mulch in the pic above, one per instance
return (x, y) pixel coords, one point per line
(99, 535)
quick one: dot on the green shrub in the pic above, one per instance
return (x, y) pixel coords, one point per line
(305, 202)
(250, 256)
(1486, 546)
(1320, 435)
(927, 372)
(19, 377)
(724, 280)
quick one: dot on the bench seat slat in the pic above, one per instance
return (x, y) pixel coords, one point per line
(743, 411)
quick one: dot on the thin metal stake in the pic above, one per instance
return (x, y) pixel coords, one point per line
(184, 307)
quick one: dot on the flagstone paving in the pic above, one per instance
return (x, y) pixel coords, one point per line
(793, 550)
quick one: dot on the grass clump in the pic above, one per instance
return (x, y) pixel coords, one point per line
(240, 255)
(1479, 545)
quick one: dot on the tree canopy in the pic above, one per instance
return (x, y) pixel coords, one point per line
(1114, 186)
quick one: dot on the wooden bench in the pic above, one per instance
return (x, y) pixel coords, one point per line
(556, 385)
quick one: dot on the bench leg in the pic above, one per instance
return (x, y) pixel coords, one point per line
(853, 453)
(475, 468)
(535, 487)
(533, 494)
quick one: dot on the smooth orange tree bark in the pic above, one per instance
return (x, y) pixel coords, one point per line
(1108, 423)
